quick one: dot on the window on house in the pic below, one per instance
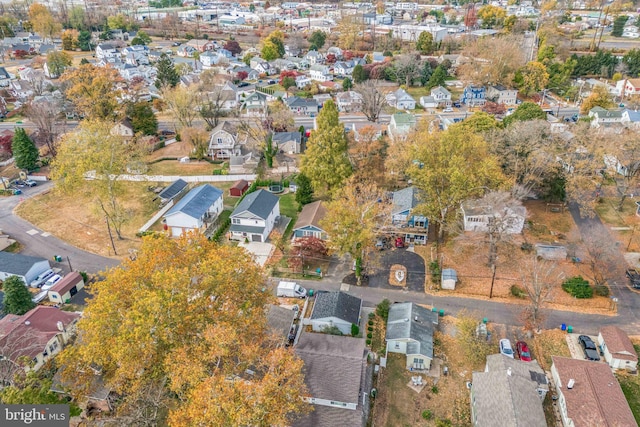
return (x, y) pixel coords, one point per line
(417, 361)
(53, 346)
(397, 346)
(235, 221)
(219, 140)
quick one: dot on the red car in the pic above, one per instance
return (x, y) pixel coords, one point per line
(523, 351)
(399, 242)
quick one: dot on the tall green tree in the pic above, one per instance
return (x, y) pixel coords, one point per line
(17, 298)
(304, 192)
(84, 41)
(24, 150)
(347, 84)
(438, 77)
(167, 74)
(141, 38)
(359, 74)
(273, 46)
(451, 167)
(317, 40)
(143, 119)
(424, 45)
(618, 25)
(325, 161)
(525, 112)
(57, 62)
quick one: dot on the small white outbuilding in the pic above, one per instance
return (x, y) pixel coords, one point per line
(449, 279)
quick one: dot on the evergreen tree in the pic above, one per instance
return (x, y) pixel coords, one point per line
(317, 40)
(84, 41)
(347, 84)
(424, 45)
(438, 77)
(618, 25)
(167, 74)
(143, 118)
(325, 161)
(359, 75)
(17, 298)
(24, 150)
(304, 192)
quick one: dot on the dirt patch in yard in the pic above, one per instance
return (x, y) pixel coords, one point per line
(624, 226)
(177, 149)
(550, 343)
(468, 255)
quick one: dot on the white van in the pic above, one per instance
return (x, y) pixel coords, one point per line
(51, 281)
(42, 277)
(290, 290)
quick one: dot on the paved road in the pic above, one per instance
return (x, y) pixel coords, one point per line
(38, 243)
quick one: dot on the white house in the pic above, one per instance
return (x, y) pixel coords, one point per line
(196, 211)
(66, 288)
(410, 331)
(224, 141)
(428, 102)
(401, 100)
(601, 117)
(320, 73)
(442, 96)
(618, 349)
(106, 50)
(255, 216)
(302, 81)
(477, 216)
(400, 125)
(335, 309)
(502, 95)
(25, 267)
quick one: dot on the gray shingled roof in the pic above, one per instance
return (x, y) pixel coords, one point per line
(405, 199)
(173, 190)
(282, 137)
(332, 366)
(337, 304)
(279, 320)
(329, 416)
(17, 264)
(506, 400)
(411, 321)
(528, 370)
(260, 203)
(197, 201)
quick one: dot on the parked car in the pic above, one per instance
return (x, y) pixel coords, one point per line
(399, 242)
(589, 347)
(523, 351)
(51, 281)
(42, 277)
(457, 104)
(634, 277)
(30, 183)
(448, 110)
(505, 348)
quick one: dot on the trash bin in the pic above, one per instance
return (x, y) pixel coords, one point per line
(485, 320)
(310, 292)
(433, 309)
(570, 329)
(442, 313)
(563, 327)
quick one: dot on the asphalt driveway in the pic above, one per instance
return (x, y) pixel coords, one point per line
(381, 266)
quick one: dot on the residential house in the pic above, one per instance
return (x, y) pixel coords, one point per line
(401, 100)
(334, 370)
(630, 118)
(321, 98)
(172, 191)
(66, 288)
(288, 142)
(410, 331)
(196, 211)
(308, 222)
(201, 45)
(186, 51)
(400, 125)
(302, 81)
(428, 102)
(343, 69)
(474, 96)
(255, 104)
(447, 120)
(478, 216)
(230, 21)
(25, 267)
(630, 87)
(106, 50)
(377, 57)
(335, 51)
(413, 227)
(224, 141)
(21, 89)
(605, 118)
(302, 106)
(335, 309)
(263, 67)
(442, 96)
(320, 73)
(251, 73)
(349, 101)
(618, 349)
(209, 58)
(589, 394)
(255, 216)
(5, 77)
(502, 95)
(314, 57)
(38, 335)
(123, 128)
(509, 392)
(367, 130)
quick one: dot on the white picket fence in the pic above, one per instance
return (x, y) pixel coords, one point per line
(195, 178)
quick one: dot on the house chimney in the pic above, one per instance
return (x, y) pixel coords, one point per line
(415, 318)
(571, 383)
(509, 371)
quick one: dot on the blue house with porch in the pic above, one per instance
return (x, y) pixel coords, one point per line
(414, 228)
(474, 96)
(308, 223)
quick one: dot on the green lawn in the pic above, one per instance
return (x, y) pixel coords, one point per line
(174, 167)
(608, 212)
(289, 207)
(631, 388)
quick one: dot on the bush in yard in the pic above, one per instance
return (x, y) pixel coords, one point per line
(332, 330)
(368, 341)
(369, 335)
(434, 389)
(434, 268)
(578, 287)
(427, 414)
(370, 322)
(382, 309)
(355, 330)
(443, 422)
(370, 329)
(602, 290)
(518, 292)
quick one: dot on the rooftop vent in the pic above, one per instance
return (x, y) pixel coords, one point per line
(571, 383)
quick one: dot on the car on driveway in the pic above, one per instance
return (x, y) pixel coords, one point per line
(523, 351)
(505, 348)
(589, 347)
(30, 183)
(634, 277)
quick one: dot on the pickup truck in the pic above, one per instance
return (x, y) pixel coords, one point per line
(634, 277)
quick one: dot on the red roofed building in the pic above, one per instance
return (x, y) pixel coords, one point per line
(589, 395)
(37, 336)
(66, 288)
(617, 348)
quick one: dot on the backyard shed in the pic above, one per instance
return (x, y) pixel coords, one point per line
(551, 252)
(449, 279)
(172, 190)
(239, 188)
(66, 288)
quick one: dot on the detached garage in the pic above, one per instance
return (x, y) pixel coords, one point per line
(25, 267)
(66, 288)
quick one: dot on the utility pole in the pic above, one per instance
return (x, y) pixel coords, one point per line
(493, 280)
(69, 261)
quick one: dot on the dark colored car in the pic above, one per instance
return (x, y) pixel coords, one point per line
(457, 104)
(634, 277)
(590, 349)
(523, 351)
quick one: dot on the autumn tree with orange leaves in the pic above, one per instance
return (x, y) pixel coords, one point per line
(93, 90)
(180, 335)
